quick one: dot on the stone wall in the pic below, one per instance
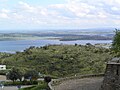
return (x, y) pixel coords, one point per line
(112, 76)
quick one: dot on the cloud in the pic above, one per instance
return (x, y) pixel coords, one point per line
(82, 10)
(5, 10)
(26, 7)
(3, 16)
(73, 13)
(115, 8)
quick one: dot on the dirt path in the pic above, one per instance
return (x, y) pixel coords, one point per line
(81, 84)
(2, 77)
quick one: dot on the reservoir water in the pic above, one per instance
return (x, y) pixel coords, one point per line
(20, 45)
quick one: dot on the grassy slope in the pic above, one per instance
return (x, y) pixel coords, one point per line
(61, 60)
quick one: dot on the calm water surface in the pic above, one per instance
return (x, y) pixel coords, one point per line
(20, 45)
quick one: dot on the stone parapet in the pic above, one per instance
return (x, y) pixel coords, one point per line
(112, 75)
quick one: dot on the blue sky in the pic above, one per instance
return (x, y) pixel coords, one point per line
(58, 14)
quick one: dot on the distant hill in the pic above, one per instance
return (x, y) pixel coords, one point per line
(59, 35)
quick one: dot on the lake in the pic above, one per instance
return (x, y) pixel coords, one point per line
(20, 45)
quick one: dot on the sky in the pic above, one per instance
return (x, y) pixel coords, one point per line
(59, 14)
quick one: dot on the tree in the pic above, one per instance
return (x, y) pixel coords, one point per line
(116, 42)
(47, 79)
(31, 74)
(14, 74)
(76, 44)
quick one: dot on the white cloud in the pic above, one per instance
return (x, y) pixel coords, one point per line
(117, 1)
(26, 7)
(77, 13)
(5, 10)
(115, 8)
(101, 15)
(3, 16)
(59, 6)
(80, 9)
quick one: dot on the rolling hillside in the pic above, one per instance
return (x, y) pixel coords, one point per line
(61, 60)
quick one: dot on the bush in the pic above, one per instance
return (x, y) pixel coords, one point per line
(38, 87)
(31, 74)
(47, 79)
(14, 74)
(12, 84)
(3, 72)
(20, 83)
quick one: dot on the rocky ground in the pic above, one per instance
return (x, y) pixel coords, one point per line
(81, 84)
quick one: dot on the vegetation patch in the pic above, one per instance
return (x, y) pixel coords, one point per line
(37, 87)
(61, 60)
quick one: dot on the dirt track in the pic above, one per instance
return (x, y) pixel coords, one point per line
(81, 84)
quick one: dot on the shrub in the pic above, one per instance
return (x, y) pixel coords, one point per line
(20, 83)
(47, 79)
(14, 74)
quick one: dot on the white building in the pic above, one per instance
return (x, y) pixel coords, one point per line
(2, 67)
